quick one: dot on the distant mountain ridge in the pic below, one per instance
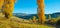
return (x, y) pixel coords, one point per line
(28, 16)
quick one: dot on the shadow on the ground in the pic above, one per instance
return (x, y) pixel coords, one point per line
(54, 25)
(57, 26)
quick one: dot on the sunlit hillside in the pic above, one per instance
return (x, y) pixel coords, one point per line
(15, 22)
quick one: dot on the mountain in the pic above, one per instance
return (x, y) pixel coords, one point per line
(54, 15)
(28, 16)
(25, 16)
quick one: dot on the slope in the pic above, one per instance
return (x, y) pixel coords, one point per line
(15, 22)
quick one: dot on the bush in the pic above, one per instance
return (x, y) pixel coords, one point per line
(34, 19)
(50, 22)
(58, 22)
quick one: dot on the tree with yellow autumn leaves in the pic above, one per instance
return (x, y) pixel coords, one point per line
(7, 7)
(41, 11)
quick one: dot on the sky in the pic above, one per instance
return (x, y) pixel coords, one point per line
(30, 6)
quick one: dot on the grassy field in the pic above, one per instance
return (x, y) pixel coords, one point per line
(15, 22)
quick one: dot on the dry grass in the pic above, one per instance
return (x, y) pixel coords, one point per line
(15, 22)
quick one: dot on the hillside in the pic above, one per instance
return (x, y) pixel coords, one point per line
(28, 16)
(15, 22)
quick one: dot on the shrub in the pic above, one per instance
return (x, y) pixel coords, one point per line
(34, 19)
(51, 22)
(58, 22)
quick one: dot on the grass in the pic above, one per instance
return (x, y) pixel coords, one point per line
(15, 22)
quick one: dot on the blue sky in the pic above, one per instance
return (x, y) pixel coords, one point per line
(30, 6)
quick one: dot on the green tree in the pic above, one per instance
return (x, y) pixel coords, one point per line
(49, 17)
(34, 18)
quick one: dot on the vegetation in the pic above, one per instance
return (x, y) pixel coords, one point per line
(53, 21)
(34, 19)
(1, 3)
(7, 9)
(15, 22)
(49, 16)
(41, 11)
(58, 22)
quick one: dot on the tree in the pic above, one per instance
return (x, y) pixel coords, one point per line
(41, 11)
(34, 19)
(1, 3)
(49, 16)
(8, 8)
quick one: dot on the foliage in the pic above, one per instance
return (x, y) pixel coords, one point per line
(1, 3)
(58, 22)
(34, 18)
(7, 7)
(49, 16)
(17, 23)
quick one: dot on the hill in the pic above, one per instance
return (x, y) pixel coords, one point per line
(15, 22)
(28, 16)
